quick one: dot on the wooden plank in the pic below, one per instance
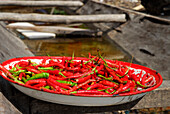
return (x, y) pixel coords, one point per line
(57, 30)
(7, 107)
(63, 18)
(42, 3)
(10, 47)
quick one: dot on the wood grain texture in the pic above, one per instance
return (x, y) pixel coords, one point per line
(42, 3)
(63, 18)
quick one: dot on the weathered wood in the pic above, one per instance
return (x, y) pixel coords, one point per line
(63, 18)
(147, 41)
(6, 107)
(146, 37)
(42, 3)
(19, 9)
(58, 30)
(10, 47)
(95, 7)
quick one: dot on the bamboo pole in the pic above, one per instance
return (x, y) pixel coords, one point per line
(57, 30)
(41, 3)
(63, 18)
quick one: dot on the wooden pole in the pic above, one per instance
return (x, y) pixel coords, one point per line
(41, 3)
(57, 30)
(63, 18)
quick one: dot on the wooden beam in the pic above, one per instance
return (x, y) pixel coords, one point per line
(41, 3)
(57, 30)
(98, 18)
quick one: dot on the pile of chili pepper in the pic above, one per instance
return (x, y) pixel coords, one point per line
(92, 76)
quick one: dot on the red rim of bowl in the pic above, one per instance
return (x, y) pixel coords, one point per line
(157, 76)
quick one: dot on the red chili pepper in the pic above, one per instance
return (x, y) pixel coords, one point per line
(85, 87)
(56, 77)
(80, 75)
(125, 78)
(23, 63)
(6, 71)
(67, 73)
(75, 69)
(33, 70)
(40, 84)
(81, 80)
(63, 60)
(143, 79)
(127, 85)
(109, 83)
(48, 90)
(101, 72)
(115, 77)
(51, 61)
(140, 75)
(17, 68)
(57, 64)
(119, 89)
(44, 61)
(97, 85)
(53, 64)
(82, 70)
(81, 85)
(83, 65)
(134, 77)
(56, 87)
(21, 75)
(59, 84)
(36, 81)
(150, 78)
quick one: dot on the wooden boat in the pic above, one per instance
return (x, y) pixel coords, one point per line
(146, 37)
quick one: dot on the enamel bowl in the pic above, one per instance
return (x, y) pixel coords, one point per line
(81, 100)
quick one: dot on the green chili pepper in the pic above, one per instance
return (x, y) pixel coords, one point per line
(28, 72)
(34, 64)
(18, 72)
(16, 80)
(101, 57)
(61, 74)
(40, 75)
(24, 80)
(89, 60)
(141, 84)
(47, 87)
(67, 82)
(113, 92)
(110, 78)
(72, 56)
(45, 68)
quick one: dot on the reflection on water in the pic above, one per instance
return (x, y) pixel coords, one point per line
(80, 47)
